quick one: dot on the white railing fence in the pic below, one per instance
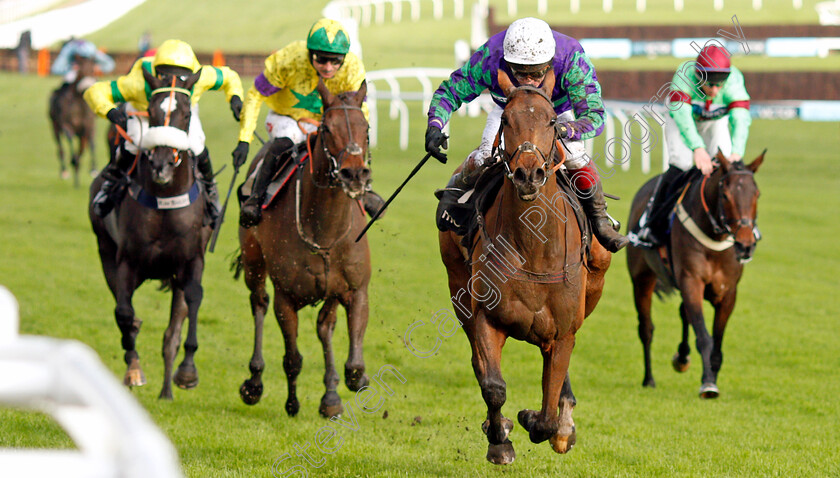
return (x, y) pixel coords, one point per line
(65, 379)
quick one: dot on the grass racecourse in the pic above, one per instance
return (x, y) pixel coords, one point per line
(778, 410)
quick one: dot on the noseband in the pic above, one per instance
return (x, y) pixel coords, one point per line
(352, 148)
(499, 154)
(720, 216)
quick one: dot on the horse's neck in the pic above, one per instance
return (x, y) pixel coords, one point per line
(709, 193)
(521, 222)
(323, 211)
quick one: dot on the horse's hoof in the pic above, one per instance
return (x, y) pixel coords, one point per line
(527, 418)
(94, 173)
(709, 390)
(250, 392)
(355, 378)
(186, 377)
(501, 454)
(134, 376)
(679, 364)
(649, 382)
(65, 175)
(563, 444)
(292, 407)
(165, 394)
(330, 405)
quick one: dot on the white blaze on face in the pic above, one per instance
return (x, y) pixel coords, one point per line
(169, 104)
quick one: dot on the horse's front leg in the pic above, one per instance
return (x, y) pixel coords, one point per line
(91, 143)
(186, 376)
(681, 360)
(287, 318)
(172, 339)
(723, 310)
(356, 303)
(691, 290)
(487, 342)
(545, 424)
(62, 166)
(251, 389)
(126, 283)
(330, 402)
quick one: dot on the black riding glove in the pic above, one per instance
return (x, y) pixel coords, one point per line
(434, 140)
(240, 154)
(236, 106)
(563, 130)
(117, 117)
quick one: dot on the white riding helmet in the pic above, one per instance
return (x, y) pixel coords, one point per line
(529, 41)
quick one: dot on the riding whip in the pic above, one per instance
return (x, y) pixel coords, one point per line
(222, 213)
(379, 212)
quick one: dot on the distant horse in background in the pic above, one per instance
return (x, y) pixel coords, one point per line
(536, 287)
(712, 236)
(305, 244)
(157, 232)
(72, 118)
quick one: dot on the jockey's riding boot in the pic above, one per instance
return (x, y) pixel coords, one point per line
(251, 212)
(595, 207)
(213, 208)
(112, 190)
(373, 203)
(653, 224)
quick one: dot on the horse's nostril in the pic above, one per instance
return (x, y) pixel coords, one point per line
(345, 175)
(519, 175)
(538, 176)
(364, 175)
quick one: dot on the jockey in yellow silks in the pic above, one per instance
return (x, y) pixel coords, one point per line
(173, 57)
(288, 85)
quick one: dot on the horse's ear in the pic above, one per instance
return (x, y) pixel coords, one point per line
(193, 79)
(504, 83)
(753, 166)
(361, 93)
(326, 97)
(548, 83)
(151, 79)
(724, 163)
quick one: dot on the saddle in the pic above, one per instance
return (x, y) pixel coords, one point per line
(290, 162)
(463, 211)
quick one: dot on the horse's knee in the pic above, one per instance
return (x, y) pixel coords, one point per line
(645, 330)
(259, 301)
(704, 344)
(292, 364)
(193, 292)
(494, 393)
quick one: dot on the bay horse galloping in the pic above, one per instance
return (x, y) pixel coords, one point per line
(71, 117)
(157, 231)
(305, 244)
(532, 285)
(712, 236)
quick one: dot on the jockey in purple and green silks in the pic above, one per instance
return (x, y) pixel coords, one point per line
(526, 51)
(172, 58)
(709, 112)
(288, 86)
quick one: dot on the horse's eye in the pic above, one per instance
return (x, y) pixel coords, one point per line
(552, 122)
(504, 121)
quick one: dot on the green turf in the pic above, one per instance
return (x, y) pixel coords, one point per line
(776, 415)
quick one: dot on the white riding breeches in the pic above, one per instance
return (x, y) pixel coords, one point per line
(576, 157)
(281, 126)
(137, 126)
(715, 134)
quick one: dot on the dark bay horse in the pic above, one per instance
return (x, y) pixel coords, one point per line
(711, 239)
(305, 243)
(71, 118)
(157, 232)
(536, 286)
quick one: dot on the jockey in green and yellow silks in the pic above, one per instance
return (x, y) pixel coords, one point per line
(287, 86)
(173, 57)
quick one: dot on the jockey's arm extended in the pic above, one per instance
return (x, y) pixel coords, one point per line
(131, 88)
(462, 86)
(218, 78)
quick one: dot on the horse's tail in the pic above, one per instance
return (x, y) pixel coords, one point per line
(236, 263)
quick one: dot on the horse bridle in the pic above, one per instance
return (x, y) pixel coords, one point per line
(171, 90)
(351, 148)
(526, 147)
(720, 213)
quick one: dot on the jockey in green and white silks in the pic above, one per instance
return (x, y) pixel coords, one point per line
(173, 57)
(708, 111)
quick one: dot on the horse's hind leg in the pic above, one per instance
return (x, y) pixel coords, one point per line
(357, 319)
(186, 376)
(172, 339)
(330, 402)
(487, 344)
(643, 286)
(681, 360)
(91, 143)
(546, 424)
(251, 389)
(63, 167)
(692, 295)
(287, 317)
(75, 157)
